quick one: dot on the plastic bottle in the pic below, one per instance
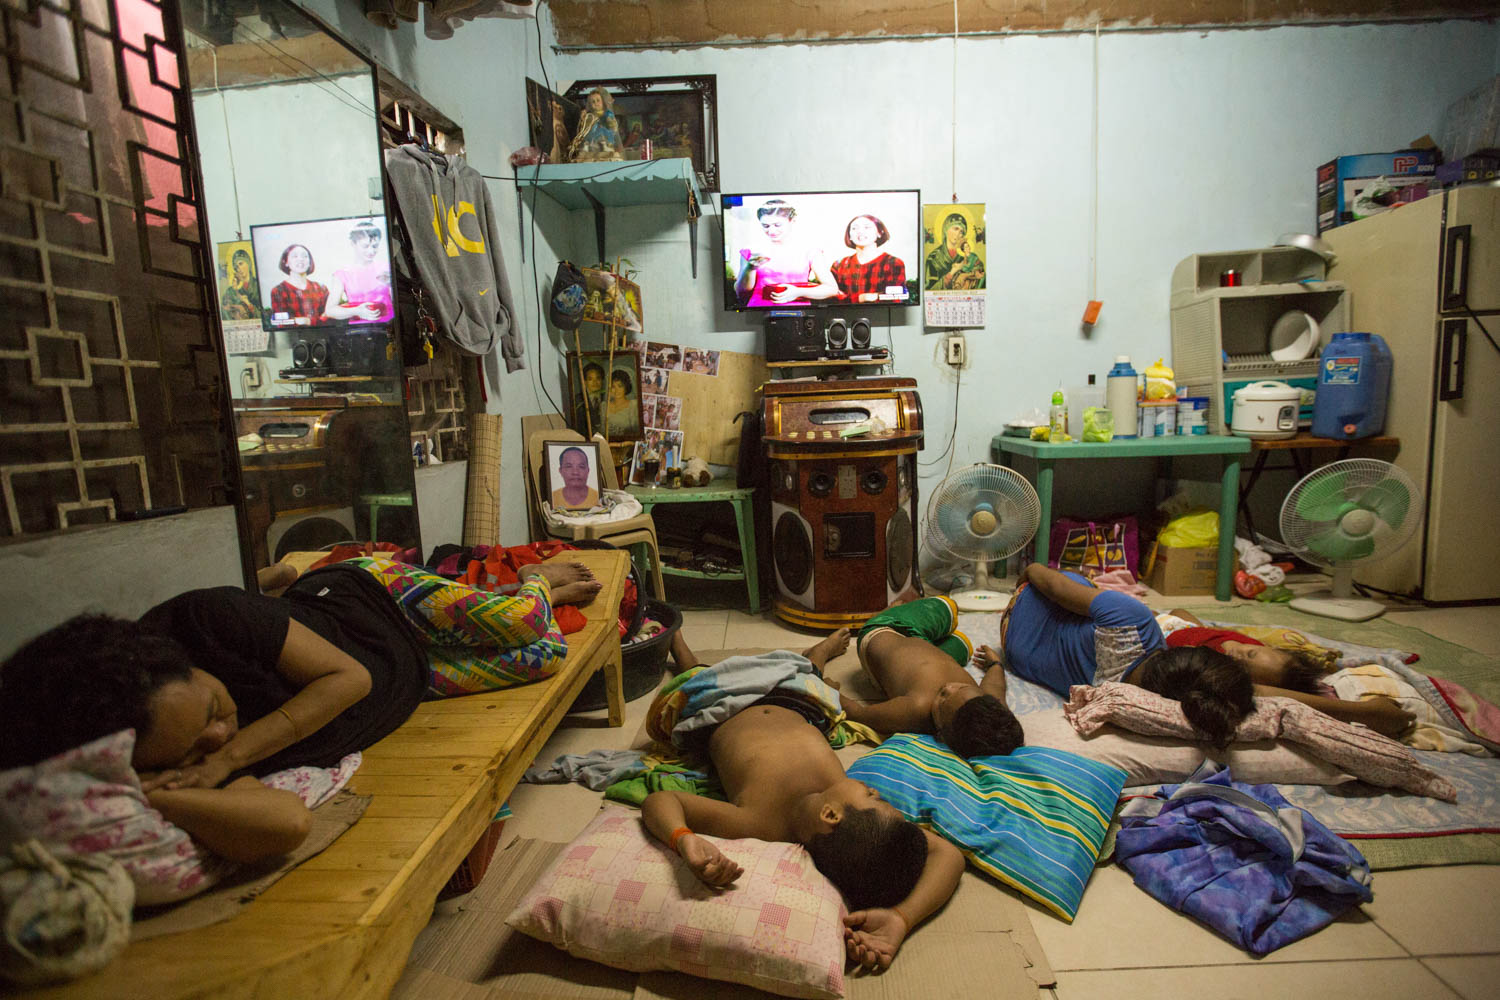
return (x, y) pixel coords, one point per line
(1080, 398)
(1057, 427)
(1119, 396)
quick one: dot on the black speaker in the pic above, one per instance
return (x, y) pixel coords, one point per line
(838, 334)
(793, 336)
(859, 334)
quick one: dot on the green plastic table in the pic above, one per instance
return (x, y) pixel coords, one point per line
(739, 497)
(1228, 447)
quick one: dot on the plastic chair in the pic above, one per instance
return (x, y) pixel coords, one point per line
(627, 534)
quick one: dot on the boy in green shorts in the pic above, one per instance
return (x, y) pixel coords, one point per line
(917, 655)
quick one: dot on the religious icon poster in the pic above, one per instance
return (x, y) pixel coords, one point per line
(954, 261)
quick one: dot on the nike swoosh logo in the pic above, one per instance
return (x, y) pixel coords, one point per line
(483, 290)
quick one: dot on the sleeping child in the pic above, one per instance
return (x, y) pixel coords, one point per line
(785, 783)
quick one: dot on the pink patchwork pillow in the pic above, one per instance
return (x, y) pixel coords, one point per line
(619, 896)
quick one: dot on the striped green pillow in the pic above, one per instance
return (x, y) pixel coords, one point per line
(1035, 819)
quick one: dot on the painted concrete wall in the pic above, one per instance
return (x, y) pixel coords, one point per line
(1207, 141)
(119, 569)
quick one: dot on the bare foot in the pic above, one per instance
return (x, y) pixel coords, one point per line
(828, 649)
(559, 574)
(272, 580)
(571, 583)
(684, 656)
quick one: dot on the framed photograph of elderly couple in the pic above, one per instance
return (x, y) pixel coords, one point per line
(605, 394)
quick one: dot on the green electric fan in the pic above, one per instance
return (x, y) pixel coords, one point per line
(982, 513)
(1344, 514)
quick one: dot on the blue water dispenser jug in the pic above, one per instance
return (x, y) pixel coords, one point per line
(1354, 383)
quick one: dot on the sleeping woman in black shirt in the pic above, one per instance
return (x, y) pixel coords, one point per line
(222, 685)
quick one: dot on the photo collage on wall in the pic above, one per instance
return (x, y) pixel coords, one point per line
(661, 447)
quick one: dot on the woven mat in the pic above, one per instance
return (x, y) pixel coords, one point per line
(1439, 657)
(980, 944)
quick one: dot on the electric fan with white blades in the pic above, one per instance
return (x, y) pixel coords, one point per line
(981, 513)
(1343, 514)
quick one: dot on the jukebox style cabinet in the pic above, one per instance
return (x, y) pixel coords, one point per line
(843, 509)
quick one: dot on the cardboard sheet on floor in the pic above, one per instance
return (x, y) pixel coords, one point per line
(229, 897)
(980, 944)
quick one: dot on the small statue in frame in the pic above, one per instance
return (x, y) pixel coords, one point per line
(598, 135)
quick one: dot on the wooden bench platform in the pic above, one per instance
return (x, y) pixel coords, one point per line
(342, 924)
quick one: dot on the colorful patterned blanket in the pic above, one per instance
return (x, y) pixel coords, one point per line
(701, 697)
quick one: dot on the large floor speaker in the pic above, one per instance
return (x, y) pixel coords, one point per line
(843, 508)
(842, 537)
(309, 530)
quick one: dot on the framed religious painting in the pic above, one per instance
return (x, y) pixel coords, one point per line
(551, 120)
(656, 118)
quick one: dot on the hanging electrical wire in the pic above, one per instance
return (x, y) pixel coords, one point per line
(239, 222)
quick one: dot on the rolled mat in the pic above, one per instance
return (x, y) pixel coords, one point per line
(482, 497)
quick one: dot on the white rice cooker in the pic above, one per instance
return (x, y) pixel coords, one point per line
(1266, 410)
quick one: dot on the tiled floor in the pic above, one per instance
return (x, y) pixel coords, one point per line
(1430, 933)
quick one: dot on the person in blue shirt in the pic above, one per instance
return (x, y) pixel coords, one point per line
(1061, 630)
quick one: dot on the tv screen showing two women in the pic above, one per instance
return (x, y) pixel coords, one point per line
(822, 248)
(329, 272)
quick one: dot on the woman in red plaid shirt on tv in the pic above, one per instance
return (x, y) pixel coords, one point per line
(869, 274)
(297, 301)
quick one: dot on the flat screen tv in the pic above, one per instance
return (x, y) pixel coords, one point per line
(323, 273)
(795, 249)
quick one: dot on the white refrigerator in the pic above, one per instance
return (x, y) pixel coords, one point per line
(1426, 277)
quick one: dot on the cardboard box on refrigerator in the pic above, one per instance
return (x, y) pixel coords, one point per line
(1185, 572)
(1340, 182)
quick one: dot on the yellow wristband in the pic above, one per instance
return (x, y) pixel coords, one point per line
(677, 835)
(904, 918)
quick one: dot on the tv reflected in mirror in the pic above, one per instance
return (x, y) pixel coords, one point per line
(822, 248)
(322, 273)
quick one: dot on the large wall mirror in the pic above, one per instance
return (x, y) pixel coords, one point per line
(288, 139)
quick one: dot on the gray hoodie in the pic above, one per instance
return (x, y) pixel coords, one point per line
(451, 224)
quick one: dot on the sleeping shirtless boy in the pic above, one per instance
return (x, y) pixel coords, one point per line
(785, 783)
(917, 655)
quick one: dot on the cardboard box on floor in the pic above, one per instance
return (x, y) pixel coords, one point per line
(1184, 571)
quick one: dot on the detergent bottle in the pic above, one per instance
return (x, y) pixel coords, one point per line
(1161, 381)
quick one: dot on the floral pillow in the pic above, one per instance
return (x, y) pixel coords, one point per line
(88, 800)
(619, 896)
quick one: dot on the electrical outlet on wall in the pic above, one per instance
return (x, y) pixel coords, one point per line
(957, 352)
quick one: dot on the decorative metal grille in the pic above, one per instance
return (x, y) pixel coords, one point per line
(112, 394)
(436, 408)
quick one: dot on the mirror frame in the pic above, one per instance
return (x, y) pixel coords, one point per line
(190, 120)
